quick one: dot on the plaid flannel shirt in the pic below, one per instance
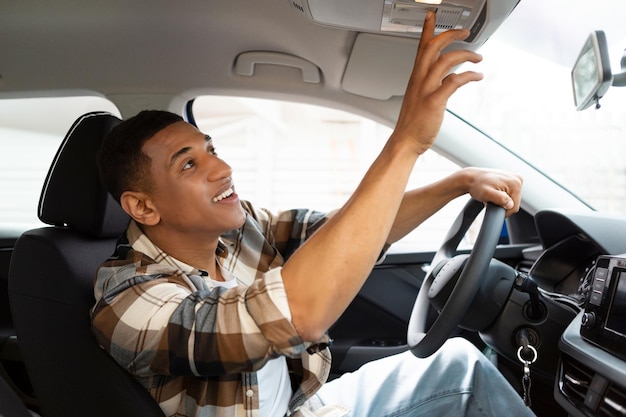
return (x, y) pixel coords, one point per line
(196, 347)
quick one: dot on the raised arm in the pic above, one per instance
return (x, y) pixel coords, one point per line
(325, 274)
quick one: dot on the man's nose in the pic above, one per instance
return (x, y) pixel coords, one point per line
(218, 169)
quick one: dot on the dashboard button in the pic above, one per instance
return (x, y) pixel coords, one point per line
(598, 284)
(595, 298)
(601, 273)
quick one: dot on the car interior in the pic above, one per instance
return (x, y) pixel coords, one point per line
(542, 293)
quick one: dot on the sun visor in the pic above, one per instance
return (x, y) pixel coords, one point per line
(381, 60)
(379, 66)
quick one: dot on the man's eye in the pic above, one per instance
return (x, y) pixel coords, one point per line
(188, 164)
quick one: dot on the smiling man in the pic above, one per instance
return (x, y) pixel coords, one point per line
(220, 308)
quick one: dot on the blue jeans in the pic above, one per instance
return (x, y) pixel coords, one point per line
(456, 381)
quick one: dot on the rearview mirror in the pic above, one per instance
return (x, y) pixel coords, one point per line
(591, 75)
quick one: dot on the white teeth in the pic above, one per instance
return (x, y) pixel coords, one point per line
(222, 196)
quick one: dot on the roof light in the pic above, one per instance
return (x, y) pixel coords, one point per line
(406, 17)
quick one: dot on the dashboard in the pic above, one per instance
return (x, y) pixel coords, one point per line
(582, 259)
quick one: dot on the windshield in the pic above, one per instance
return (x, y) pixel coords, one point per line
(526, 101)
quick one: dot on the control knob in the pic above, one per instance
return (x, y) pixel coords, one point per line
(588, 320)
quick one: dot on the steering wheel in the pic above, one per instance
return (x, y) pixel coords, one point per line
(425, 341)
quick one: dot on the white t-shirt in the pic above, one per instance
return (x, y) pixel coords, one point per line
(274, 383)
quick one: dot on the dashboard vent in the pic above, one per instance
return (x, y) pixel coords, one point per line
(613, 403)
(575, 380)
(591, 392)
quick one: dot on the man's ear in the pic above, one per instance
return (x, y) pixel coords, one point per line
(139, 206)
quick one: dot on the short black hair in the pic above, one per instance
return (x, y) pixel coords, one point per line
(121, 163)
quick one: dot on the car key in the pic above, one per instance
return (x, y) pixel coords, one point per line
(526, 381)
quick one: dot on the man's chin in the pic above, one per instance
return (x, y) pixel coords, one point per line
(239, 219)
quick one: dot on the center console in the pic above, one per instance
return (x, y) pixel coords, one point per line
(591, 379)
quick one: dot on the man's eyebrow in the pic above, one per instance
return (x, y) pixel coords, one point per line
(208, 144)
(186, 149)
(178, 154)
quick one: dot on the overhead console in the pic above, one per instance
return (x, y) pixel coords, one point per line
(388, 31)
(405, 17)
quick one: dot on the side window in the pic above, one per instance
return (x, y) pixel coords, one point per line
(286, 155)
(31, 131)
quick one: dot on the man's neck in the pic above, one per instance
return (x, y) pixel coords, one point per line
(192, 250)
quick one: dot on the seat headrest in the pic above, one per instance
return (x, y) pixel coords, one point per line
(73, 194)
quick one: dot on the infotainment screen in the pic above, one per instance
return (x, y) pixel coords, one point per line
(603, 322)
(616, 319)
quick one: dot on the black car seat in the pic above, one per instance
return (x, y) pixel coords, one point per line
(51, 279)
(10, 403)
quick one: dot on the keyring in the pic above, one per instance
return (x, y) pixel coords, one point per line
(532, 349)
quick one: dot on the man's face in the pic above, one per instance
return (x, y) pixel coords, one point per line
(192, 188)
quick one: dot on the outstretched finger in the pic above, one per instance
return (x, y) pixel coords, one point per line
(442, 68)
(430, 49)
(453, 82)
(428, 32)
